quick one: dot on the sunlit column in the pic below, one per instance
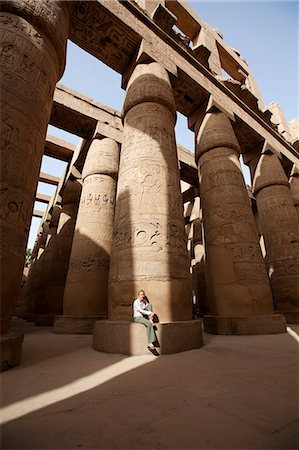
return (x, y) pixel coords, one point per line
(86, 286)
(238, 288)
(55, 260)
(33, 41)
(149, 249)
(279, 222)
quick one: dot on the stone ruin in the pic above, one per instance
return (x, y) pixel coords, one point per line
(217, 253)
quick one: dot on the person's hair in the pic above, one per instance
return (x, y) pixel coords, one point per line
(141, 290)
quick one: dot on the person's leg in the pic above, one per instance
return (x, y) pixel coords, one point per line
(151, 335)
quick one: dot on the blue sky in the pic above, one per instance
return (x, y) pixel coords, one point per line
(264, 33)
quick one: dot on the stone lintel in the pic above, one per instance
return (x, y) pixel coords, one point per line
(42, 198)
(11, 350)
(78, 114)
(48, 178)
(58, 148)
(129, 338)
(270, 324)
(38, 213)
(66, 324)
(164, 18)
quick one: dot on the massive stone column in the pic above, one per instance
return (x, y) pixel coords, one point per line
(149, 247)
(33, 41)
(238, 288)
(55, 259)
(85, 295)
(280, 226)
(149, 250)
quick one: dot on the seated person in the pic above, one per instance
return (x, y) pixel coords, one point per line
(142, 313)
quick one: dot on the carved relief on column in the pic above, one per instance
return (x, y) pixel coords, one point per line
(238, 289)
(294, 187)
(280, 226)
(87, 280)
(198, 269)
(33, 38)
(56, 258)
(36, 281)
(149, 249)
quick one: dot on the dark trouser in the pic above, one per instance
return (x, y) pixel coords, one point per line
(151, 335)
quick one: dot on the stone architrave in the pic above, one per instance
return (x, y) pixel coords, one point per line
(280, 226)
(149, 249)
(294, 187)
(85, 296)
(33, 39)
(55, 259)
(238, 289)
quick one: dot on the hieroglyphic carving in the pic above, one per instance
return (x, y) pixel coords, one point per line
(235, 268)
(279, 223)
(90, 255)
(30, 66)
(149, 242)
(97, 29)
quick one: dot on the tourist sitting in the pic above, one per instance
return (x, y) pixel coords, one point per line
(142, 313)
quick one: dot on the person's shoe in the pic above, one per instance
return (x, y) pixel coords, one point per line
(153, 350)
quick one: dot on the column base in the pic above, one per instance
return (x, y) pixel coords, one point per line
(44, 320)
(291, 316)
(129, 338)
(66, 324)
(11, 350)
(271, 324)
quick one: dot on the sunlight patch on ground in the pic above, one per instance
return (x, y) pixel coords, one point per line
(32, 404)
(293, 334)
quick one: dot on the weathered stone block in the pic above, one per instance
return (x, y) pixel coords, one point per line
(129, 338)
(271, 324)
(11, 350)
(74, 324)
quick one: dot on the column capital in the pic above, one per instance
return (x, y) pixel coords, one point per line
(209, 106)
(147, 54)
(49, 18)
(149, 83)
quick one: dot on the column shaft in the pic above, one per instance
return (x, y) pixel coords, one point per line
(238, 289)
(86, 286)
(149, 249)
(280, 226)
(33, 38)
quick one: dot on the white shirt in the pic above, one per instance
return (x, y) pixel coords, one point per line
(139, 309)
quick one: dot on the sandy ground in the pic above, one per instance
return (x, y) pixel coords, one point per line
(236, 392)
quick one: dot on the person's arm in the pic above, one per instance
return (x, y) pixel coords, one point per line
(142, 311)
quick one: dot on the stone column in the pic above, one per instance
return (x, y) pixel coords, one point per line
(33, 41)
(238, 288)
(294, 187)
(55, 259)
(85, 296)
(280, 226)
(149, 247)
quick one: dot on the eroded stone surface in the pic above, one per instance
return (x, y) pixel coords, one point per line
(149, 248)
(87, 279)
(33, 35)
(237, 280)
(280, 226)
